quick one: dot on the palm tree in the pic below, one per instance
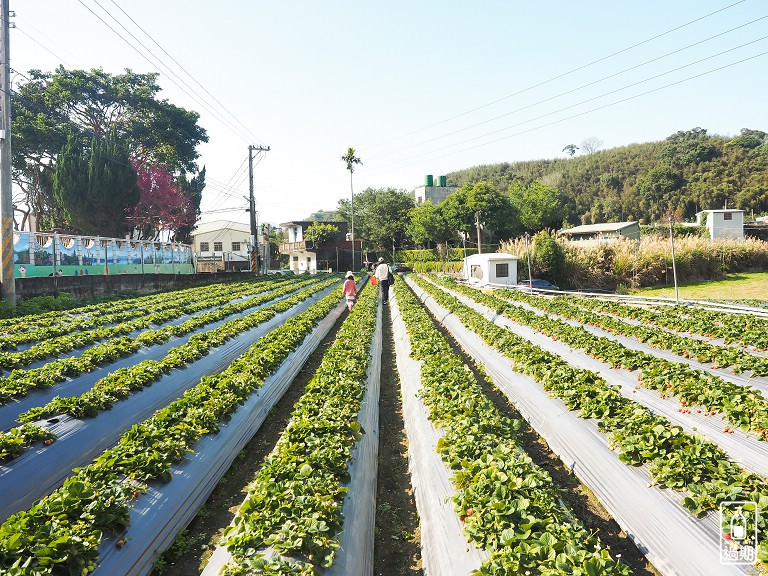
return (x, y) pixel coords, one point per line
(351, 160)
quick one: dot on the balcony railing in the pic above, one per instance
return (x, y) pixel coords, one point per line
(288, 247)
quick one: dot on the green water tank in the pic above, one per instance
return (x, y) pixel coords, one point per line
(443, 181)
(428, 180)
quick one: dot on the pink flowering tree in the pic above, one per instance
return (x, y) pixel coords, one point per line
(161, 207)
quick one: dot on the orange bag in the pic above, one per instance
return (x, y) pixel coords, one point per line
(374, 280)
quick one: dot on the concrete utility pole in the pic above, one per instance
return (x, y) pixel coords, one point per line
(252, 208)
(479, 226)
(6, 194)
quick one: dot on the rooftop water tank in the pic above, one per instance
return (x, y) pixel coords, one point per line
(428, 180)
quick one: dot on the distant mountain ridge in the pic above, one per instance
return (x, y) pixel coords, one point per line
(688, 172)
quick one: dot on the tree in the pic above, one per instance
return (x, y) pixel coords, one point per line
(162, 206)
(96, 194)
(538, 206)
(192, 190)
(495, 210)
(549, 258)
(351, 160)
(94, 103)
(426, 223)
(657, 187)
(687, 148)
(591, 144)
(570, 149)
(382, 216)
(320, 233)
(749, 139)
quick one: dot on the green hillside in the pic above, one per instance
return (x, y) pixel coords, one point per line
(689, 171)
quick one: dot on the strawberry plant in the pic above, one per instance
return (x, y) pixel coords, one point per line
(294, 504)
(61, 532)
(509, 506)
(677, 459)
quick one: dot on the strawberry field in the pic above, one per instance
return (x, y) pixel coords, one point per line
(120, 419)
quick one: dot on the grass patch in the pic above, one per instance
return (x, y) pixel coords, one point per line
(743, 286)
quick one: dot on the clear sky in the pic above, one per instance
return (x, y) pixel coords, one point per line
(416, 86)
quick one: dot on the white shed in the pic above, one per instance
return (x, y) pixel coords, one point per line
(725, 223)
(491, 269)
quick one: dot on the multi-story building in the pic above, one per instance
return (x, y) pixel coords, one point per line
(305, 256)
(221, 245)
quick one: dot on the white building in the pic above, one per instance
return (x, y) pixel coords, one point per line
(300, 257)
(605, 233)
(221, 245)
(725, 223)
(434, 193)
(495, 269)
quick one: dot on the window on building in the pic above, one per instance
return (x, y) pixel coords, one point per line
(502, 270)
(728, 216)
(204, 247)
(218, 247)
(235, 246)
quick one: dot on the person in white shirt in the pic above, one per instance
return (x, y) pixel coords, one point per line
(382, 273)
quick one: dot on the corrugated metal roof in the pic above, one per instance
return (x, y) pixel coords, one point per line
(595, 228)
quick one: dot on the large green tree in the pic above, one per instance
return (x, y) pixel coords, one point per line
(381, 216)
(688, 147)
(538, 205)
(482, 201)
(49, 106)
(320, 233)
(95, 187)
(427, 224)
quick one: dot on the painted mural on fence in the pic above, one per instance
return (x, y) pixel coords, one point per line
(41, 254)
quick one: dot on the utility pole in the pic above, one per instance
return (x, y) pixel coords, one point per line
(6, 193)
(479, 237)
(674, 266)
(252, 208)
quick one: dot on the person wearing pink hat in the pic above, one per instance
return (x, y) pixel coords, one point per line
(349, 290)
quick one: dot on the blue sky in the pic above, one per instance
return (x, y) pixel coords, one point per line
(417, 87)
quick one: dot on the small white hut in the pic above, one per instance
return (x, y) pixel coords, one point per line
(491, 269)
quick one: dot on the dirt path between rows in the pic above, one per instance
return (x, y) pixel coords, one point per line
(397, 548)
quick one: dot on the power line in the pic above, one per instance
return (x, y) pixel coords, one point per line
(209, 109)
(557, 77)
(51, 52)
(593, 98)
(587, 85)
(610, 104)
(185, 71)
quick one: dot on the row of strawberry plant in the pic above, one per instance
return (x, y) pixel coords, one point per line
(744, 407)
(61, 532)
(69, 341)
(677, 460)
(722, 356)
(295, 503)
(509, 505)
(746, 329)
(121, 383)
(90, 315)
(39, 329)
(20, 381)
